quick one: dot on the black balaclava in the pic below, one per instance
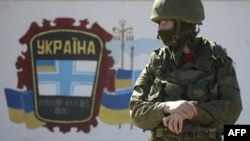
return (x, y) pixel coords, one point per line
(177, 38)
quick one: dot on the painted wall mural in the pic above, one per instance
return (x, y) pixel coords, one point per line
(69, 76)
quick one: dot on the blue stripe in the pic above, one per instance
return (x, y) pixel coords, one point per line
(19, 100)
(116, 102)
(45, 62)
(136, 74)
(14, 98)
(124, 91)
(28, 102)
(123, 74)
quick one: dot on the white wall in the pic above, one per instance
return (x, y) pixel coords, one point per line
(227, 23)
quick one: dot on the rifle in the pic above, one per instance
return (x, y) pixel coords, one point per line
(198, 129)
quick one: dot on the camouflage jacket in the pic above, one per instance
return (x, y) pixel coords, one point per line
(209, 79)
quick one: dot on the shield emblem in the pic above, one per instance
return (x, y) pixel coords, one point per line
(66, 69)
(65, 72)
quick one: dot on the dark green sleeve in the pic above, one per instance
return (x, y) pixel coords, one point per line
(145, 113)
(227, 107)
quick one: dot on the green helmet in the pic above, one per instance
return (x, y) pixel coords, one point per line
(188, 11)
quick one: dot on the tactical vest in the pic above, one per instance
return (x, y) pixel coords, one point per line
(193, 81)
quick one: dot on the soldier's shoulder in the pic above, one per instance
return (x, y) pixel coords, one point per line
(214, 48)
(219, 50)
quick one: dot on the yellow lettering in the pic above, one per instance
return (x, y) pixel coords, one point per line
(40, 47)
(67, 47)
(71, 47)
(48, 47)
(74, 45)
(91, 48)
(81, 48)
(57, 46)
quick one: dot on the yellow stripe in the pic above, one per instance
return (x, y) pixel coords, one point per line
(46, 68)
(31, 121)
(124, 83)
(114, 116)
(16, 115)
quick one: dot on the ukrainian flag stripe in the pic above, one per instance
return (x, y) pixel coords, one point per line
(114, 116)
(115, 102)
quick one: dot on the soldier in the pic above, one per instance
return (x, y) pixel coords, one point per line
(190, 84)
